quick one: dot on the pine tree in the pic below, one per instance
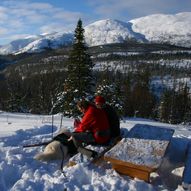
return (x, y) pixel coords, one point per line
(187, 104)
(182, 103)
(128, 109)
(111, 91)
(142, 99)
(175, 105)
(79, 81)
(165, 106)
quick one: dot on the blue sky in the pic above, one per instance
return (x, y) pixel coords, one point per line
(21, 18)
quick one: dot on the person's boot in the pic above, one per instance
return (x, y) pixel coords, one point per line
(89, 153)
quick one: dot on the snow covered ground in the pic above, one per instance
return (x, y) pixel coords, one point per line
(20, 172)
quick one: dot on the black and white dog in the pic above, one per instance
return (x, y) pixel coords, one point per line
(53, 151)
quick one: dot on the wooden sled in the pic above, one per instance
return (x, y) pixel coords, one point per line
(138, 157)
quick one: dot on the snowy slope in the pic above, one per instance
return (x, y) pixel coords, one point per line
(20, 129)
(53, 40)
(16, 45)
(37, 43)
(161, 28)
(173, 29)
(110, 31)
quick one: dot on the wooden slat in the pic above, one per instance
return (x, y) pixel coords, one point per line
(132, 172)
(128, 164)
(71, 163)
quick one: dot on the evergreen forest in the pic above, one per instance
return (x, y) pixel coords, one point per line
(139, 80)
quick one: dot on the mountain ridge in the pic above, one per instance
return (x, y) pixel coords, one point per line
(157, 28)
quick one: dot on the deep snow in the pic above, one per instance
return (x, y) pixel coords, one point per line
(20, 172)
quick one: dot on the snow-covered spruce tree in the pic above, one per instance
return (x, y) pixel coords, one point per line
(112, 94)
(79, 81)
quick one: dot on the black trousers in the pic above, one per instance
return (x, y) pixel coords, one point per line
(83, 138)
(80, 140)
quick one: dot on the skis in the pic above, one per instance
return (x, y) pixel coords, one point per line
(37, 144)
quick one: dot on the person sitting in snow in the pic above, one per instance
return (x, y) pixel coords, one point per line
(113, 118)
(92, 129)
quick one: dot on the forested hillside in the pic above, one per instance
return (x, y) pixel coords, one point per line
(144, 80)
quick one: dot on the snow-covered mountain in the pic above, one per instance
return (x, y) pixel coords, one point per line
(53, 40)
(16, 45)
(39, 43)
(160, 28)
(173, 29)
(110, 31)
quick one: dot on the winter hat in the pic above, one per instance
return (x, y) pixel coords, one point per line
(99, 99)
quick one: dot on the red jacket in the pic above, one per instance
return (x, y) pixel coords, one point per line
(95, 120)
